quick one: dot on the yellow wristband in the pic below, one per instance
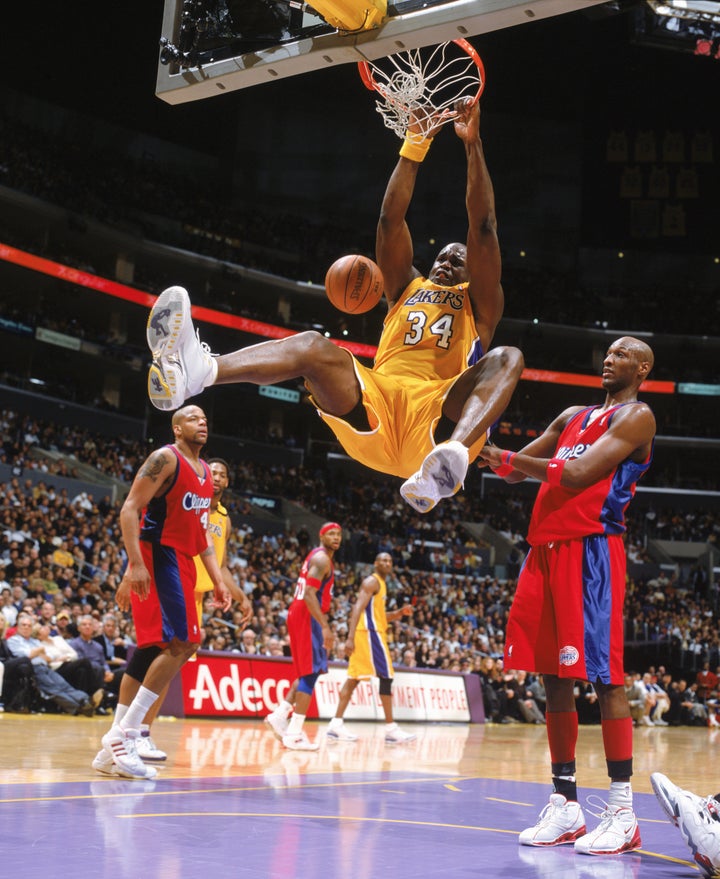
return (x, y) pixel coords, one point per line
(416, 150)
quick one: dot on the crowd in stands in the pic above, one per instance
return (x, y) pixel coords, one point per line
(61, 559)
(170, 207)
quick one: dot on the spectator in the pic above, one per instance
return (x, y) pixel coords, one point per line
(659, 699)
(707, 681)
(51, 685)
(586, 703)
(65, 628)
(113, 644)
(537, 690)
(692, 711)
(249, 642)
(529, 709)
(86, 646)
(17, 681)
(80, 673)
(638, 699)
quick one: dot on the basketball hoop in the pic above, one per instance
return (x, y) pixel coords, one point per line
(421, 86)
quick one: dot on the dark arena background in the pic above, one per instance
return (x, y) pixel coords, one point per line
(127, 166)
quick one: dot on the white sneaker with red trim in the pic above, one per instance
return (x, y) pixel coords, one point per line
(561, 822)
(699, 823)
(617, 832)
(121, 743)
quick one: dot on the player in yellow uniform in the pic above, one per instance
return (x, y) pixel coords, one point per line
(423, 411)
(367, 646)
(219, 529)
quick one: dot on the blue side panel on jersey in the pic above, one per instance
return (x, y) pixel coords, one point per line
(597, 603)
(170, 593)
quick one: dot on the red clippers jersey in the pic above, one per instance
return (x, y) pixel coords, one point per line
(179, 518)
(324, 593)
(566, 513)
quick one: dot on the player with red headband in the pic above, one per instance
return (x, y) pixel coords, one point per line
(310, 637)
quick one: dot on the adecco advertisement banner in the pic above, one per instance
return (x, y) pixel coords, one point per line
(235, 685)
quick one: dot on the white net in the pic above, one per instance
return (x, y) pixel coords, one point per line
(421, 86)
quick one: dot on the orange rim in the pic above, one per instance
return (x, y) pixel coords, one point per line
(366, 71)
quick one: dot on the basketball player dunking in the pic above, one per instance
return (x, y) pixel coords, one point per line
(423, 411)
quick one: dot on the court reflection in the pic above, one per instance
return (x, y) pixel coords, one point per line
(249, 748)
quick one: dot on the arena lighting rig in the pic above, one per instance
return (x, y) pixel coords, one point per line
(691, 26)
(688, 10)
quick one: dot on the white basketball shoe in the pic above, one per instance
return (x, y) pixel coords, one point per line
(561, 822)
(441, 475)
(121, 744)
(182, 365)
(616, 833)
(699, 823)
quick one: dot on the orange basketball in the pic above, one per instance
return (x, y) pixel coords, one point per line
(354, 284)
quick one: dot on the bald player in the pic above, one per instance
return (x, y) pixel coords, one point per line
(566, 620)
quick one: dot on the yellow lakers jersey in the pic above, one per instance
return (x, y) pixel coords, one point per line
(218, 529)
(429, 333)
(373, 618)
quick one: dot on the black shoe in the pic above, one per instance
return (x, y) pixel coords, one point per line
(103, 711)
(87, 709)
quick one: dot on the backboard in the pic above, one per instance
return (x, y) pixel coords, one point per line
(221, 58)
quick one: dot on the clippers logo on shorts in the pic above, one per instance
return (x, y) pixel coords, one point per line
(569, 655)
(192, 501)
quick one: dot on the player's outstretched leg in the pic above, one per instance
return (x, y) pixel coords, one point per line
(182, 365)
(667, 794)
(699, 823)
(697, 817)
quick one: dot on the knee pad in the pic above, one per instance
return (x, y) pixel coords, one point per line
(306, 684)
(141, 661)
(385, 686)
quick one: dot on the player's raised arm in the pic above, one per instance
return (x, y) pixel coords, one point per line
(484, 264)
(393, 246)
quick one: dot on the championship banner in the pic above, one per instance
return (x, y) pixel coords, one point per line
(241, 685)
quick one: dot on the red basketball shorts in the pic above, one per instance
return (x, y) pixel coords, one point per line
(169, 611)
(306, 642)
(567, 615)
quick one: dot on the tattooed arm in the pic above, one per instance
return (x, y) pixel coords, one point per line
(152, 479)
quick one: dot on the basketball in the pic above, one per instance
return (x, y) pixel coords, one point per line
(354, 284)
